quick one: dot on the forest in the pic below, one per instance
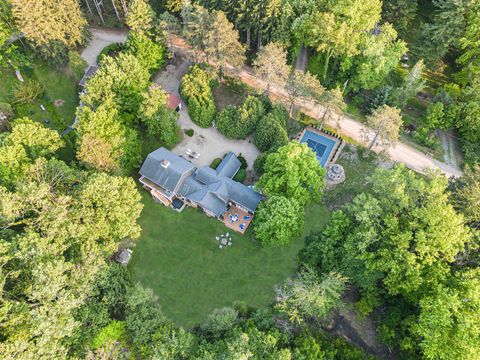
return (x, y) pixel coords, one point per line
(398, 249)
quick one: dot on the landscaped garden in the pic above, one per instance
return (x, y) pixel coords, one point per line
(178, 257)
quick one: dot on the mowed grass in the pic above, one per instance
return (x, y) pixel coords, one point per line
(178, 257)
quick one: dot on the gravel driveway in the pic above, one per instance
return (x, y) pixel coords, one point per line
(208, 142)
(100, 39)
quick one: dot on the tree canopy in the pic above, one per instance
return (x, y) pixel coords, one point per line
(293, 171)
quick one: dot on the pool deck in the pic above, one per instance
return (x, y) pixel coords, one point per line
(334, 150)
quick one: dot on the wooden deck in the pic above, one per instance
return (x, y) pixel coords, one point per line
(235, 226)
(155, 191)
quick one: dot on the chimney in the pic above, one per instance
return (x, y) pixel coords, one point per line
(165, 163)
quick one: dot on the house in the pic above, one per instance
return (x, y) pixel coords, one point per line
(176, 182)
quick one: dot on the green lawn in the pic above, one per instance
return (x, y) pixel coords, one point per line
(178, 257)
(57, 85)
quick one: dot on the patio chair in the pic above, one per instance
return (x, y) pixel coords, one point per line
(229, 243)
(217, 238)
(227, 234)
(188, 151)
(197, 155)
(242, 226)
(220, 246)
(246, 217)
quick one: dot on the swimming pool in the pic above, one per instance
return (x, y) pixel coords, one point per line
(321, 145)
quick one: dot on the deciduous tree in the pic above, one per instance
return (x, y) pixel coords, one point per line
(306, 296)
(293, 171)
(302, 85)
(160, 121)
(56, 241)
(278, 221)
(466, 195)
(385, 122)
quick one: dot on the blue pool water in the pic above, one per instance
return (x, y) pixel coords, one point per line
(321, 145)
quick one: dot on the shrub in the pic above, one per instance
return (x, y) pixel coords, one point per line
(111, 50)
(435, 116)
(259, 163)
(239, 122)
(379, 98)
(77, 64)
(6, 114)
(425, 137)
(240, 175)
(243, 161)
(189, 132)
(115, 331)
(196, 90)
(27, 92)
(214, 164)
(280, 115)
(219, 321)
(227, 122)
(269, 134)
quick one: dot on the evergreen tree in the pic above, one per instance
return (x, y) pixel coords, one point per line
(50, 25)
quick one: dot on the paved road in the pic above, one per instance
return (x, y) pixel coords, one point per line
(400, 153)
(100, 39)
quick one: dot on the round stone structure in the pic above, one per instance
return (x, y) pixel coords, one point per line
(335, 174)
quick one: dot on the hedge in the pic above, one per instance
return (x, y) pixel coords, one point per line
(215, 162)
(196, 91)
(240, 175)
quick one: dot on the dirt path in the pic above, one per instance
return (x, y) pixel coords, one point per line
(100, 39)
(400, 152)
(449, 145)
(302, 59)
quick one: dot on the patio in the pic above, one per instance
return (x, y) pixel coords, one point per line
(237, 219)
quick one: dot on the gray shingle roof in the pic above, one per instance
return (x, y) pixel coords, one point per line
(91, 70)
(229, 166)
(205, 187)
(213, 204)
(166, 177)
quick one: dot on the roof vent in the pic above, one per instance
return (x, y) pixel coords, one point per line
(165, 163)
